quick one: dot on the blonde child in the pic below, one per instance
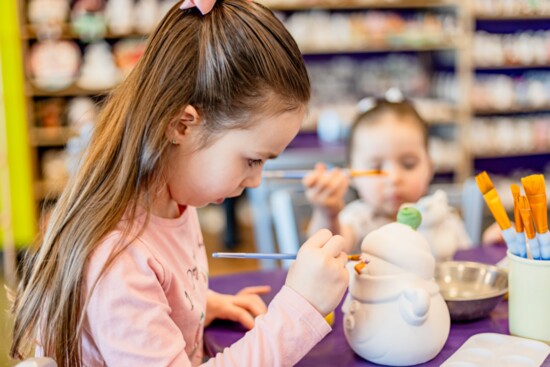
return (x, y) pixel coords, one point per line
(120, 278)
(392, 137)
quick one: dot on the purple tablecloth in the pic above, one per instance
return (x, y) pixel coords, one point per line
(334, 350)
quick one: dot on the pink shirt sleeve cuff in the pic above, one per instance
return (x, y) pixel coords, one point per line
(304, 311)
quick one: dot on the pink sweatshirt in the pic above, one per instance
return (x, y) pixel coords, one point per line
(148, 308)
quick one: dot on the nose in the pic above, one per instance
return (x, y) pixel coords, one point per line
(394, 174)
(254, 180)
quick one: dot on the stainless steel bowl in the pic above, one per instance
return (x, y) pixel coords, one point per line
(471, 289)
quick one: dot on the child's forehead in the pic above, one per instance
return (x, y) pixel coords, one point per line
(388, 138)
(390, 121)
(383, 130)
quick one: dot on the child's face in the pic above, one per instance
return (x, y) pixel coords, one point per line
(397, 147)
(231, 163)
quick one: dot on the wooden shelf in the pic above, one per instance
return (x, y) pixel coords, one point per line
(373, 48)
(512, 111)
(512, 17)
(496, 155)
(512, 67)
(71, 91)
(50, 136)
(357, 4)
(31, 32)
(49, 189)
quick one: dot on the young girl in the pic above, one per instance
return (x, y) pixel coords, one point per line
(120, 277)
(392, 137)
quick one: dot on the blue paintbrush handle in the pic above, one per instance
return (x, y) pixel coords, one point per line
(544, 242)
(286, 174)
(247, 255)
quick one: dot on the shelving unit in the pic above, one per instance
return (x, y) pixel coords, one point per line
(503, 27)
(43, 139)
(47, 138)
(461, 111)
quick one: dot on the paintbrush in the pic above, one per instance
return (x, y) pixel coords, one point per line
(527, 220)
(299, 174)
(521, 250)
(266, 256)
(492, 199)
(535, 189)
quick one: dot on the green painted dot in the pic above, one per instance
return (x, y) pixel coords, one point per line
(409, 216)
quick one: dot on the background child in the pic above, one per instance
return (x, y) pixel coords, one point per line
(120, 277)
(392, 137)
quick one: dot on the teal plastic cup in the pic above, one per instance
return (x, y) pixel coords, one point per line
(529, 298)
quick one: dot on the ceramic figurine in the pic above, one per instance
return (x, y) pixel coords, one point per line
(88, 19)
(99, 70)
(441, 226)
(393, 313)
(146, 16)
(47, 12)
(54, 64)
(119, 16)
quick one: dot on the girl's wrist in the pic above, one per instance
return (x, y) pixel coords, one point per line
(331, 212)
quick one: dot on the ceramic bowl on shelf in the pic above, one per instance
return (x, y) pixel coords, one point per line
(471, 289)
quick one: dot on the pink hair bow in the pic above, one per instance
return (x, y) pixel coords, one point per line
(204, 6)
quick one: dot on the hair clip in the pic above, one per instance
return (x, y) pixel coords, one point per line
(392, 95)
(204, 6)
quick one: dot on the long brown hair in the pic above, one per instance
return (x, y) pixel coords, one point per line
(232, 64)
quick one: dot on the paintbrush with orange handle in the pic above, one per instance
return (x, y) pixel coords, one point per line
(518, 223)
(535, 189)
(492, 199)
(526, 218)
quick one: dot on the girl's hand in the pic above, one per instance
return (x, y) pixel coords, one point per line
(492, 235)
(319, 273)
(326, 189)
(242, 307)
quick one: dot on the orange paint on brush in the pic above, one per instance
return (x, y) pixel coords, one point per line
(526, 217)
(535, 189)
(517, 216)
(492, 199)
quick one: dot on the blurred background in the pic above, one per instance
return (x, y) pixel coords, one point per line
(478, 72)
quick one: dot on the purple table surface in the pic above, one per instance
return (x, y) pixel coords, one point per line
(334, 350)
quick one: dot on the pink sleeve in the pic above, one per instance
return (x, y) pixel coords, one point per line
(132, 324)
(131, 316)
(281, 337)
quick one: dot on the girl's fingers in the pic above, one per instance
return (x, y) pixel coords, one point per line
(259, 289)
(343, 259)
(312, 179)
(252, 304)
(318, 239)
(240, 315)
(334, 246)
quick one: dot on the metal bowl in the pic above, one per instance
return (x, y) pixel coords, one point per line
(471, 289)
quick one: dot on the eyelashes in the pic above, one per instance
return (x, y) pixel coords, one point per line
(255, 162)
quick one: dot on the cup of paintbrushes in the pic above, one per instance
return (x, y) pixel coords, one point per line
(529, 297)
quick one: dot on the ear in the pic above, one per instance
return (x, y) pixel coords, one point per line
(183, 124)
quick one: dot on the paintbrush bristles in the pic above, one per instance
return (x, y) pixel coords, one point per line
(526, 216)
(515, 190)
(535, 188)
(534, 185)
(484, 182)
(518, 223)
